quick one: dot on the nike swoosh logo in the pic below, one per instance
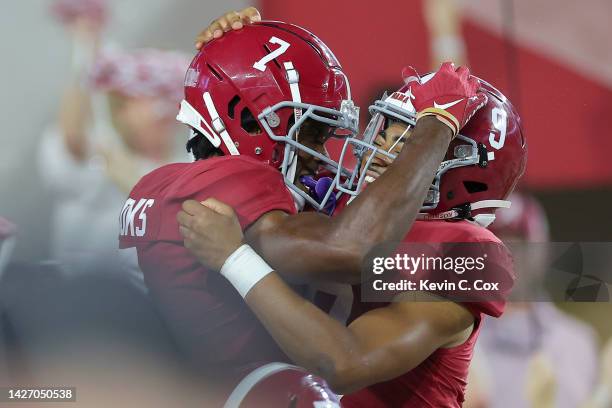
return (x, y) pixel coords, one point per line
(410, 95)
(447, 105)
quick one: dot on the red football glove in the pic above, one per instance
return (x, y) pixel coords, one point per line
(450, 95)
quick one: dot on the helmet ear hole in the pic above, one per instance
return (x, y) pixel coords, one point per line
(475, 187)
(231, 106)
(249, 123)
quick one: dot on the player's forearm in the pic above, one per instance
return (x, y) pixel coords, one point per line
(300, 249)
(386, 209)
(313, 247)
(308, 336)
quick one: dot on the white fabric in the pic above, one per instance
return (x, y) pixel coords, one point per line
(86, 207)
(244, 268)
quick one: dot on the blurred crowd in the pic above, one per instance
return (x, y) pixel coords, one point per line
(536, 355)
(116, 122)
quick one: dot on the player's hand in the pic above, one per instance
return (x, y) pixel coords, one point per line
(211, 231)
(451, 95)
(233, 20)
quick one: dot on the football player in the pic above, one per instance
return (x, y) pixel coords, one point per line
(261, 102)
(403, 353)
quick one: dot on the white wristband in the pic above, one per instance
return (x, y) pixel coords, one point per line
(244, 268)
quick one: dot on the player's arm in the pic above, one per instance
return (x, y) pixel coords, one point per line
(380, 345)
(310, 246)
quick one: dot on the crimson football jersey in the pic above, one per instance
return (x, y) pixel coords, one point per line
(209, 320)
(440, 380)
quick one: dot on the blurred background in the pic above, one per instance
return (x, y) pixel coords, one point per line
(38, 67)
(550, 57)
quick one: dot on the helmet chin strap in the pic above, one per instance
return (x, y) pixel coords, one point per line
(293, 77)
(219, 126)
(479, 205)
(484, 220)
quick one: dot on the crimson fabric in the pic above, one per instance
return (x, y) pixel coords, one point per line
(440, 380)
(209, 320)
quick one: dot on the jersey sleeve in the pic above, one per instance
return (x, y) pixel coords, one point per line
(261, 189)
(466, 264)
(499, 269)
(250, 187)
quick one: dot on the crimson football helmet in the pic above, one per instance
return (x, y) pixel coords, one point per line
(482, 165)
(280, 385)
(250, 91)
